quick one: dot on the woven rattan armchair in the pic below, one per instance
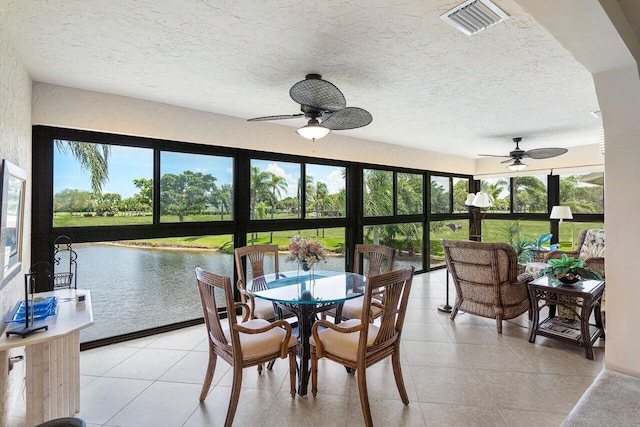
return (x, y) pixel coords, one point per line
(375, 259)
(358, 344)
(486, 280)
(249, 343)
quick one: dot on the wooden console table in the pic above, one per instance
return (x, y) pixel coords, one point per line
(52, 359)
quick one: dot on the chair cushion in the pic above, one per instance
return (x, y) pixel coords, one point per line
(345, 345)
(593, 245)
(352, 309)
(262, 344)
(263, 309)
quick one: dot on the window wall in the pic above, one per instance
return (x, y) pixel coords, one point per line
(194, 187)
(377, 192)
(169, 196)
(101, 184)
(141, 284)
(530, 194)
(583, 193)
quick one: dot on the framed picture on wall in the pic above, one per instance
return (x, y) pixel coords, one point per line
(12, 195)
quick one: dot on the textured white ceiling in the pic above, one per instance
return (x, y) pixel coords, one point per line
(426, 84)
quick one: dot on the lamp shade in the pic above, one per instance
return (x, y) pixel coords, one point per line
(561, 212)
(313, 130)
(470, 197)
(517, 165)
(482, 200)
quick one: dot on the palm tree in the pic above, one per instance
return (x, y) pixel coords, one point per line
(276, 184)
(259, 192)
(222, 198)
(320, 198)
(92, 157)
(494, 189)
(259, 188)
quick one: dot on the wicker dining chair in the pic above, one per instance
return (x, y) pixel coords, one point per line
(255, 255)
(248, 343)
(486, 280)
(358, 343)
(375, 259)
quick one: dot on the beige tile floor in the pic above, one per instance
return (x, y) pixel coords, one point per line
(458, 373)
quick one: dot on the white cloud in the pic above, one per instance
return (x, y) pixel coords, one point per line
(335, 181)
(292, 181)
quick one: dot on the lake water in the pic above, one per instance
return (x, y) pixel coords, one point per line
(135, 288)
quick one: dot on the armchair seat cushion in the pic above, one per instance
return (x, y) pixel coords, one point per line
(345, 345)
(352, 309)
(263, 309)
(261, 344)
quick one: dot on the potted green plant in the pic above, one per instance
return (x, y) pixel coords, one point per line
(522, 246)
(569, 270)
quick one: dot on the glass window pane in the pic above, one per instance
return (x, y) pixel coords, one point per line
(326, 196)
(195, 187)
(405, 238)
(570, 231)
(150, 287)
(333, 240)
(410, 193)
(101, 184)
(531, 194)
(460, 192)
(450, 229)
(377, 192)
(440, 201)
(583, 193)
(499, 189)
(275, 189)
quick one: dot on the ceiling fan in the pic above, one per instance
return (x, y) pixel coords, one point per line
(518, 154)
(325, 108)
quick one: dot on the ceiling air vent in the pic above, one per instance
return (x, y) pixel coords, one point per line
(474, 16)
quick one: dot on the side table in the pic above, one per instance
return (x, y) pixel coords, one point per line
(583, 298)
(52, 359)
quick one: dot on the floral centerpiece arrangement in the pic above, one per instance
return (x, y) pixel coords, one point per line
(305, 251)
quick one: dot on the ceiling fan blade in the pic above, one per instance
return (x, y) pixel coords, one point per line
(492, 155)
(348, 118)
(544, 153)
(318, 94)
(280, 117)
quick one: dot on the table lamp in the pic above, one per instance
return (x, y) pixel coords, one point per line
(560, 213)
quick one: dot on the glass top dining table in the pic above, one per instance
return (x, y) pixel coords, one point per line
(307, 293)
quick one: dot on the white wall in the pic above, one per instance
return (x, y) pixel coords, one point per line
(597, 33)
(15, 146)
(80, 109)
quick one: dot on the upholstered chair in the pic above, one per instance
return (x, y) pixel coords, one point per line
(486, 280)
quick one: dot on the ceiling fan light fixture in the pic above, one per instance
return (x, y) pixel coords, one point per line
(517, 166)
(313, 130)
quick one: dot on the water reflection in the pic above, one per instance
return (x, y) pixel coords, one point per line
(134, 289)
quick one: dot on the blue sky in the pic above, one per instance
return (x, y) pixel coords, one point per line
(330, 175)
(128, 163)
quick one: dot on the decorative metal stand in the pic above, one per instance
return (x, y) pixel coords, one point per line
(29, 285)
(67, 278)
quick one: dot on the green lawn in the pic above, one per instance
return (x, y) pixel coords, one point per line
(331, 238)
